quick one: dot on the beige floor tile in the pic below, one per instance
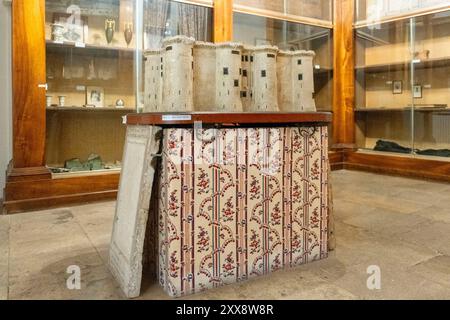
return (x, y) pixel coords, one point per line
(4, 256)
(434, 235)
(436, 269)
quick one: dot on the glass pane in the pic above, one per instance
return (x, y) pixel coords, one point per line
(256, 30)
(382, 88)
(431, 85)
(164, 18)
(318, 9)
(90, 75)
(374, 10)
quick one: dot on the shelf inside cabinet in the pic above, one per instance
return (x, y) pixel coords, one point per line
(91, 109)
(88, 49)
(407, 109)
(396, 66)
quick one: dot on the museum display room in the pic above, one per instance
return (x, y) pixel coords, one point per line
(217, 128)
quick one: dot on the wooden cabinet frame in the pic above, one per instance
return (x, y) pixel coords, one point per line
(30, 184)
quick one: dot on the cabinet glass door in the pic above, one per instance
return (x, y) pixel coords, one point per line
(91, 63)
(382, 88)
(431, 84)
(256, 30)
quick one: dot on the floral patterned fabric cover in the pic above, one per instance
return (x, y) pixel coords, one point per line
(239, 203)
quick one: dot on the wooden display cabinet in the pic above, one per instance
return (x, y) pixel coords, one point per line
(61, 55)
(401, 89)
(47, 134)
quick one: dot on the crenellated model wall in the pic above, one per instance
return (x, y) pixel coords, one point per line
(186, 75)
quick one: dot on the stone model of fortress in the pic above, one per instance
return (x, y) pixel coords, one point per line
(187, 75)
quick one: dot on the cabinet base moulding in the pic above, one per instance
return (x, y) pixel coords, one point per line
(25, 195)
(397, 165)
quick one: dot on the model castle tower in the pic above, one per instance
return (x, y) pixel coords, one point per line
(199, 76)
(228, 77)
(264, 75)
(295, 81)
(178, 75)
(204, 76)
(153, 81)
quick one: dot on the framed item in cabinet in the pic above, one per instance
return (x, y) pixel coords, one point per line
(417, 91)
(397, 87)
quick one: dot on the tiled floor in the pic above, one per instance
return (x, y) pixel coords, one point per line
(401, 225)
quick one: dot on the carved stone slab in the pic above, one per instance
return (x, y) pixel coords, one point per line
(135, 188)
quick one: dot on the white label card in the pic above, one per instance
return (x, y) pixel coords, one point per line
(176, 117)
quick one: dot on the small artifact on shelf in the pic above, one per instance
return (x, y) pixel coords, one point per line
(62, 101)
(74, 165)
(58, 170)
(48, 100)
(57, 32)
(422, 55)
(116, 165)
(128, 32)
(94, 162)
(110, 25)
(120, 103)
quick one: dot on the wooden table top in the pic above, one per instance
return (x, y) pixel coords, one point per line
(228, 119)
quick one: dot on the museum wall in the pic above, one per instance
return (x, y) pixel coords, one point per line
(5, 91)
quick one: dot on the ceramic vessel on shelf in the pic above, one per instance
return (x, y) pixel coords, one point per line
(62, 101)
(57, 32)
(120, 103)
(48, 99)
(128, 33)
(110, 25)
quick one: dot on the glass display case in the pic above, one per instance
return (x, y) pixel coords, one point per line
(285, 24)
(95, 63)
(320, 10)
(290, 26)
(94, 72)
(90, 66)
(402, 85)
(257, 30)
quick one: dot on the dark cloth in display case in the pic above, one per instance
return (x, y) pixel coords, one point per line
(390, 146)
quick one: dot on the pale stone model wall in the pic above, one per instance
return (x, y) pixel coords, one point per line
(295, 81)
(204, 76)
(153, 81)
(228, 77)
(264, 74)
(177, 73)
(302, 65)
(285, 78)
